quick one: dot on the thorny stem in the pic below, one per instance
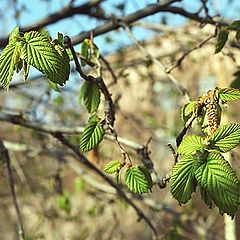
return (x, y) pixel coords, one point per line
(6, 159)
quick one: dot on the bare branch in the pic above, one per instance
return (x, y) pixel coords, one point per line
(6, 159)
(148, 55)
(185, 54)
(82, 159)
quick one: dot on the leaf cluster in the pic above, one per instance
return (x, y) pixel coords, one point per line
(137, 178)
(35, 49)
(202, 163)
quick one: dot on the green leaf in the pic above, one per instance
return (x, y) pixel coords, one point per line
(92, 135)
(187, 110)
(229, 94)
(235, 25)
(90, 94)
(90, 52)
(191, 144)
(206, 197)
(15, 36)
(65, 72)
(182, 181)
(113, 167)
(9, 60)
(41, 54)
(147, 175)
(219, 181)
(226, 137)
(221, 40)
(85, 52)
(136, 180)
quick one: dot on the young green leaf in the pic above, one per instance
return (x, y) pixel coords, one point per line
(90, 52)
(41, 54)
(137, 180)
(182, 181)
(90, 95)
(9, 60)
(187, 110)
(226, 137)
(65, 71)
(229, 94)
(220, 182)
(221, 40)
(206, 197)
(191, 144)
(92, 135)
(15, 36)
(113, 167)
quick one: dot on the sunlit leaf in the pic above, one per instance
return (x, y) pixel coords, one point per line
(90, 95)
(191, 144)
(92, 135)
(216, 177)
(8, 62)
(41, 54)
(182, 181)
(136, 180)
(113, 167)
(229, 94)
(226, 137)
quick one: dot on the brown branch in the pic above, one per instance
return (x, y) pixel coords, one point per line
(88, 8)
(109, 105)
(82, 159)
(6, 159)
(185, 54)
(147, 11)
(114, 23)
(109, 68)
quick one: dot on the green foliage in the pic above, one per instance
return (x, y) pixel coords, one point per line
(191, 144)
(90, 95)
(33, 49)
(9, 58)
(113, 167)
(221, 40)
(182, 182)
(89, 52)
(202, 163)
(138, 179)
(219, 183)
(92, 135)
(229, 94)
(187, 110)
(226, 137)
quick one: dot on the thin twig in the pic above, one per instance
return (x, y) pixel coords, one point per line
(120, 192)
(6, 159)
(185, 54)
(19, 120)
(109, 68)
(148, 55)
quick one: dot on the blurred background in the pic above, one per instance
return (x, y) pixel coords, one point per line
(148, 64)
